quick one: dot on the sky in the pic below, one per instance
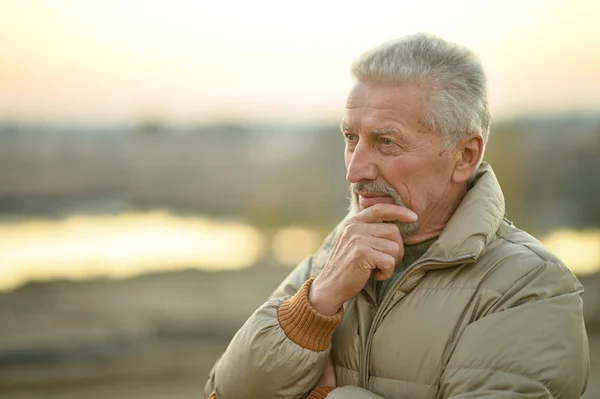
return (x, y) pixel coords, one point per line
(196, 61)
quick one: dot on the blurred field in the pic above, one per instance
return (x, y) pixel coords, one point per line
(153, 336)
(144, 337)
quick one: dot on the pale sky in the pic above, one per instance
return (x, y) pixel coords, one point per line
(88, 61)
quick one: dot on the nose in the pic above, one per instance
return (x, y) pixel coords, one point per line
(360, 165)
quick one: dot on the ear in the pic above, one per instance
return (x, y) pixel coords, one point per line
(469, 152)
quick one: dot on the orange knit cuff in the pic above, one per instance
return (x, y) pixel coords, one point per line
(304, 325)
(320, 392)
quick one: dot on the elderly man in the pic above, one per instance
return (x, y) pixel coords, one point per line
(425, 290)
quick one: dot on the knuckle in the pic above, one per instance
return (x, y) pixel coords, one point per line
(347, 231)
(351, 228)
(361, 249)
(392, 262)
(388, 263)
(393, 228)
(364, 213)
(400, 251)
(377, 208)
(354, 240)
(390, 229)
(390, 247)
(348, 223)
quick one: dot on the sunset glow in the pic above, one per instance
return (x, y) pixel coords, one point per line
(580, 250)
(194, 61)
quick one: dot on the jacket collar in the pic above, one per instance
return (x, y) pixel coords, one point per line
(475, 221)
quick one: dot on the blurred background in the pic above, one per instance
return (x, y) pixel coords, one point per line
(163, 166)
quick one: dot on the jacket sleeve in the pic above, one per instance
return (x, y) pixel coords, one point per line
(532, 345)
(282, 348)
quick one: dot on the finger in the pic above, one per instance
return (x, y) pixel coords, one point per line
(381, 230)
(363, 231)
(397, 238)
(384, 265)
(386, 246)
(387, 230)
(380, 213)
(378, 275)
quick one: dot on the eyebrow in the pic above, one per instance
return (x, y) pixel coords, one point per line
(386, 131)
(379, 131)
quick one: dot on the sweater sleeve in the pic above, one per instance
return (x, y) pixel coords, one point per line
(304, 325)
(320, 392)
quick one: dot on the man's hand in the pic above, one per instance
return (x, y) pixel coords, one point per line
(366, 244)
(328, 376)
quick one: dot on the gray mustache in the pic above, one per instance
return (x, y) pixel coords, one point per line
(375, 187)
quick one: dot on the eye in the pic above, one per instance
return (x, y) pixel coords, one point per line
(386, 141)
(349, 137)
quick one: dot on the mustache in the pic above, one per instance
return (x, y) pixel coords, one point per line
(406, 229)
(376, 187)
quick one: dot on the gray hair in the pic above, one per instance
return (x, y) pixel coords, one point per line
(458, 99)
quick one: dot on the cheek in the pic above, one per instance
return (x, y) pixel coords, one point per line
(438, 178)
(401, 174)
(443, 162)
(417, 179)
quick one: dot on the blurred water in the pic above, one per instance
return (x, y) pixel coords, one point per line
(132, 243)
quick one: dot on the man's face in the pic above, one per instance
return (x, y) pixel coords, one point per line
(392, 156)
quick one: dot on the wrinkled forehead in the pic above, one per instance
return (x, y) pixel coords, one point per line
(383, 103)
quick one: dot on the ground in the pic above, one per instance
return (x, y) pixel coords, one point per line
(150, 337)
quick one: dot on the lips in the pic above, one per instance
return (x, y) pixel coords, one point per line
(369, 199)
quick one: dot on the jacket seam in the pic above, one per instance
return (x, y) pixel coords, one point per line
(522, 245)
(390, 378)
(431, 288)
(536, 269)
(502, 295)
(435, 386)
(544, 260)
(347, 368)
(523, 375)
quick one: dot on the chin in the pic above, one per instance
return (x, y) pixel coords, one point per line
(407, 230)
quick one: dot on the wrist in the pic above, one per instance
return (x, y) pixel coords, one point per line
(303, 324)
(321, 300)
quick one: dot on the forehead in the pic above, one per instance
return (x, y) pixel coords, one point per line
(394, 102)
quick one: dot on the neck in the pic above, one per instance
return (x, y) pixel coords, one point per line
(434, 219)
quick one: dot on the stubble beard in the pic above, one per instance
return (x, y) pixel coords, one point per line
(406, 229)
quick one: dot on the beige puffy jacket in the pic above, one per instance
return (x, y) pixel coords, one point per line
(487, 312)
